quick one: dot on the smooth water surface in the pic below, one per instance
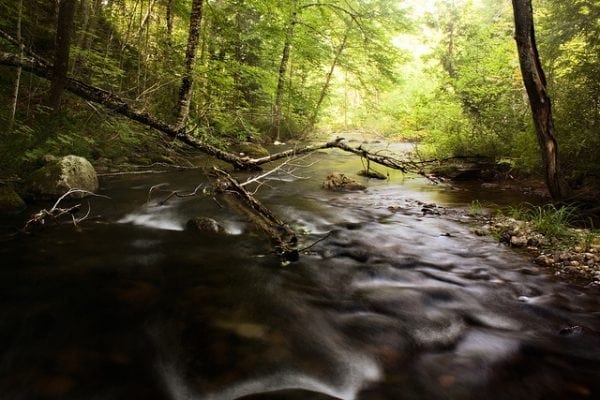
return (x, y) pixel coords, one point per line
(386, 305)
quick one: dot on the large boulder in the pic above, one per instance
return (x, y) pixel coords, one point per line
(10, 201)
(62, 174)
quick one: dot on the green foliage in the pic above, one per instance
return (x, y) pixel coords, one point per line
(571, 52)
(449, 79)
(476, 208)
(551, 221)
(548, 220)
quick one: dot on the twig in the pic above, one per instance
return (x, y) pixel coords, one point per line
(181, 195)
(314, 243)
(74, 190)
(152, 188)
(55, 212)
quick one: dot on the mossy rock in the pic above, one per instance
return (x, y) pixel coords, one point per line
(204, 224)
(463, 172)
(251, 149)
(341, 182)
(10, 201)
(57, 177)
(371, 173)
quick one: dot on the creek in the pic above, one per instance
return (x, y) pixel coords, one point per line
(384, 305)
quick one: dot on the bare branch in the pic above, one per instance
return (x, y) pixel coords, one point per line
(56, 212)
(75, 190)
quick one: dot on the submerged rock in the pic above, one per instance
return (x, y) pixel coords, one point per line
(10, 201)
(62, 174)
(371, 173)
(204, 224)
(339, 182)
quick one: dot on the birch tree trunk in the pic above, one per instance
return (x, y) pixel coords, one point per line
(535, 83)
(185, 91)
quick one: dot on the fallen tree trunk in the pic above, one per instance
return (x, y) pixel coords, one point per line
(41, 68)
(281, 235)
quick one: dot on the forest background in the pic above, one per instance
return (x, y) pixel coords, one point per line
(444, 74)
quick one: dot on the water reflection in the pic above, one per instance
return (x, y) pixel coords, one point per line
(389, 304)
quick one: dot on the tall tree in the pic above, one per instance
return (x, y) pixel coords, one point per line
(19, 69)
(535, 83)
(324, 90)
(283, 67)
(185, 91)
(64, 29)
(169, 17)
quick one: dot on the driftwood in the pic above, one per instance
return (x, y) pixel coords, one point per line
(55, 212)
(281, 235)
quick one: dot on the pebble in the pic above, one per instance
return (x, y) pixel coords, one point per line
(518, 241)
(578, 261)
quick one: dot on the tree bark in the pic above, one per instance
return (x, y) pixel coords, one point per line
(325, 89)
(185, 91)
(283, 66)
(535, 84)
(15, 95)
(282, 236)
(169, 18)
(39, 67)
(64, 30)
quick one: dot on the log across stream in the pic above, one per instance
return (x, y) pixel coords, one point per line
(389, 302)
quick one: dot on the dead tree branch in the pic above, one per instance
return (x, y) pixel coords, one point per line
(281, 235)
(43, 69)
(174, 193)
(41, 217)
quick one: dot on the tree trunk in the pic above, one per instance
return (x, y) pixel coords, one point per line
(169, 18)
(15, 96)
(283, 65)
(535, 83)
(325, 89)
(39, 67)
(64, 29)
(185, 91)
(85, 10)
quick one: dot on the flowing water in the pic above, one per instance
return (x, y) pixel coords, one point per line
(384, 305)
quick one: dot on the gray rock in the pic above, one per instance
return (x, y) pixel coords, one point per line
(204, 224)
(544, 261)
(338, 182)
(518, 241)
(514, 229)
(60, 175)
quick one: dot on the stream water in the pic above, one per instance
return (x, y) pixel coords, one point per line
(388, 305)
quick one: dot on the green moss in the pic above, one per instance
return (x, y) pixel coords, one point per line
(251, 149)
(10, 201)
